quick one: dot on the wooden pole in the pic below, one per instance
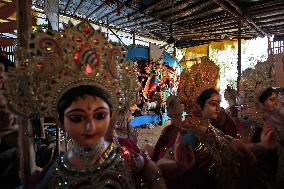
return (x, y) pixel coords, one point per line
(107, 28)
(116, 36)
(26, 140)
(26, 152)
(133, 37)
(239, 67)
(23, 22)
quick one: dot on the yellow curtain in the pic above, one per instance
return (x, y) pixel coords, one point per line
(201, 49)
(221, 45)
(193, 53)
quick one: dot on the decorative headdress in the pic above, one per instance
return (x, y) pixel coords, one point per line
(253, 83)
(60, 60)
(196, 79)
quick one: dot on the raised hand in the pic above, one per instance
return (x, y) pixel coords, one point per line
(183, 154)
(241, 148)
(269, 138)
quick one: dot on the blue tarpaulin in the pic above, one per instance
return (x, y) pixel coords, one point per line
(146, 119)
(142, 53)
(137, 53)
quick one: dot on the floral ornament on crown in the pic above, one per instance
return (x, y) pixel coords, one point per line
(196, 79)
(252, 85)
(57, 61)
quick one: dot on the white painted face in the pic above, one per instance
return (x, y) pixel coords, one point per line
(87, 120)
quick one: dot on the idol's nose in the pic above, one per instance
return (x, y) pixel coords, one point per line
(89, 126)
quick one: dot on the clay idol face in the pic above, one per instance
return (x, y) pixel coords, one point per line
(87, 119)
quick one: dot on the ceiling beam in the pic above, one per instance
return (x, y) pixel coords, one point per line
(67, 5)
(127, 3)
(265, 5)
(216, 24)
(238, 13)
(140, 11)
(281, 26)
(213, 24)
(142, 24)
(178, 6)
(210, 21)
(149, 26)
(187, 11)
(270, 18)
(208, 31)
(272, 23)
(95, 10)
(135, 20)
(193, 18)
(266, 13)
(80, 4)
(154, 14)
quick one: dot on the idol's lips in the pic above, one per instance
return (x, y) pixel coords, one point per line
(89, 135)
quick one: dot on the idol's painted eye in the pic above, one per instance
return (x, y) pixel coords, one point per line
(76, 118)
(100, 115)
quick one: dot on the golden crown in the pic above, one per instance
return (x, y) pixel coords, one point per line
(253, 83)
(196, 79)
(60, 60)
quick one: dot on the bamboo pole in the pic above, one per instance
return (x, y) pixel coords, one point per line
(25, 140)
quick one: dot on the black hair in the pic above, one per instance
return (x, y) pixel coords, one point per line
(6, 62)
(69, 96)
(205, 95)
(266, 94)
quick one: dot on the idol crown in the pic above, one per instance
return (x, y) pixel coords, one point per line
(196, 79)
(57, 61)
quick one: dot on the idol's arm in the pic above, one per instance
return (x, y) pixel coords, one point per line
(153, 176)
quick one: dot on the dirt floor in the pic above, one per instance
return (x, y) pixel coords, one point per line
(149, 135)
